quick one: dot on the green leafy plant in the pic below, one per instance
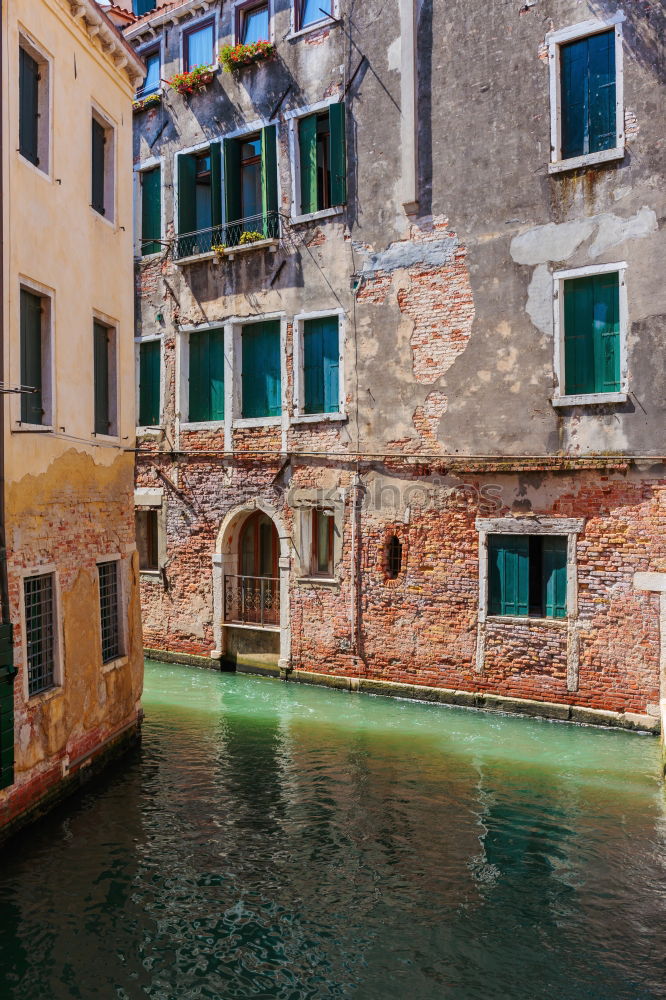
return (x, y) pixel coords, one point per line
(250, 237)
(194, 81)
(236, 56)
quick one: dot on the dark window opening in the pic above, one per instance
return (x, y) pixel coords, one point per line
(393, 557)
(29, 77)
(40, 621)
(147, 539)
(322, 542)
(108, 606)
(32, 358)
(251, 191)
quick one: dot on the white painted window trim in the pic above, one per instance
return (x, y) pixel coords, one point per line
(559, 398)
(292, 118)
(48, 360)
(154, 43)
(46, 569)
(138, 341)
(110, 166)
(183, 378)
(271, 21)
(187, 26)
(44, 101)
(141, 168)
(233, 400)
(556, 38)
(332, 21)
(298, 357)
(123, 607)
(115, 407)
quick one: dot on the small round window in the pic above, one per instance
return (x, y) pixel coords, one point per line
(393, 557)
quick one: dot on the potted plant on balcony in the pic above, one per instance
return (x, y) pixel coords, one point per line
(250, 236)
(218, 249)
(234, 57)
(149, 101)
(193, 82)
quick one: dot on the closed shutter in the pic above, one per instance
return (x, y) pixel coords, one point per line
(307, 144)
(592, 334)
(151, 210)
(554, 570)
(149, 384)
(261, 375)
(101, 379)
(321, 358)
(28, 106)
(601, 75)
(187, 209)
(587, 71)
(606, 291)
(269, 181)
(232, 180)
(508, 575)
(98, 141)
(31, 357)
(207, 375)
(216, 184)
(7, 674)
(336, 113)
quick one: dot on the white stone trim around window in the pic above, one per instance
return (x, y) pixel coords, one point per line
(292, 118)
(44, 60)
(559, 398)
(556, 38)
(299, 389)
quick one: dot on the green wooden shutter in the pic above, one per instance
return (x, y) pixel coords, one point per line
(232, 180)
(187, 207)
(554, 573)
(98, 141)
(587, 79)
(28, 106)
(601, 77)
(151, 210)
(574, 98)
(269, 181)
(592, 334)
(101, 378)
(31, 357)
(307, 144)
(7, 674)
(216, 184)
(207, 375)
(216, 370)
(261, 372)
(606, 320)
(336, 114)
(321, 356)
(508, 575)
(149, 384)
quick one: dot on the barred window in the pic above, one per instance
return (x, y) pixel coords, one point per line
(393, 557)
(38, 595)
(108, 607)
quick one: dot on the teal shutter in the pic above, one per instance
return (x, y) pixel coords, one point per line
(98, 142)
(7, 674)
(601, 75)
(31, 357)
(216, 184)
(28, 106)
(307, 144)
(587, 79)
(187, 207)
(321, 360)
(261, 374)
(151, 210)
(207, 375)
(216, 370)
(101, 378)
(149, 384)
(232, 180)
(606, 321)
(269, 181)
(554, 570)
(592, 334)
(336, 114)
(508, 575)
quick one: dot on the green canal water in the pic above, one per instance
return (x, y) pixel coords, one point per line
(271, 840)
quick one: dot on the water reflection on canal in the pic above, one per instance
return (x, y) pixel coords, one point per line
(277, 841)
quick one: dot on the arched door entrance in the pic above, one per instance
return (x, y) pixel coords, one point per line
(252, 597)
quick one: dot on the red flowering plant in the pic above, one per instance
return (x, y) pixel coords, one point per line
(193, 82)
(235, 56)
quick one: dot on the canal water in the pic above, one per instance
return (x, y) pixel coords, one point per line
(272, 840)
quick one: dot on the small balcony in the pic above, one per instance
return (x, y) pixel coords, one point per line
(252, 600)
(256, 231)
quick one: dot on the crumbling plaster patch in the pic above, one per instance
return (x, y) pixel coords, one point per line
(558, 241)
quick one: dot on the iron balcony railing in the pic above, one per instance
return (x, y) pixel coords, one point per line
(252, 600)
(260, 227)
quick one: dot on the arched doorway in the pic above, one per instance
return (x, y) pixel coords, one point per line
(259, 546)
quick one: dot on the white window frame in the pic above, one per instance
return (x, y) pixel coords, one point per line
(554, 40)
(234, 389)
(292, 118)
(300, 417)
(183, 378)
(188, 26)
(271, 20)
(114, 382)
(559, 398)
(145, 47)
(45, 103)
(138, 341)
(326, 21)
(47, 569)
(571, 527)
(48, 362)
(123, 608)
(110, 168)
(141, 168)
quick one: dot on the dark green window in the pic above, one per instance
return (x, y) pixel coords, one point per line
(207, 375)
(527, 575)
(32, 411)
(592, 334)
(98, 167)
(321, 365)
(151, 210)
(102, 378)
(261, 378)
(587, 80)
(28, 107)
(323, 161)
(7, 674)
(251, 185)
(149, 384)
(40, 635)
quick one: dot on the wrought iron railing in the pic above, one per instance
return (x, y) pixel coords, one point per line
(252, 600)
(230, 234)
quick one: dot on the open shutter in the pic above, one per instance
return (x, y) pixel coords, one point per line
(216, 370)
(187, 212)
(28, 106)
(98, 141)
(307, 144)
(331, 359)
(336, 113)
(151, 211)
(606, 323)
(269, 181)
(579, 367)
(508, 575)
(31, 357)
(216, 184)
(554, 570)
(601, 83)
(101, 378)
(149, 384)
(232, 180)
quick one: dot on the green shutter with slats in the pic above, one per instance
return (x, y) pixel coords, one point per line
(321, 360)
(151, 210)
(98, 142)
(101, 378)
(207, 375)
(149, 384)
(601, 74)
(216, 184)
(336, 114)
(28, 106)
(554, 572)
(587, 80)
(187, 207)
(508, 575)
(261, 370)
(31, 357)
(591, 334)
(7, 674)
(232, 180)
(307, 145)
(607, 332)
(269, 180)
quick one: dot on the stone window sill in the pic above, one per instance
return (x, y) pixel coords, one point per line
(153, 431)
(318, 418)
(527, 619)
(588, 160)
(317, 581)
(42, 696)
(243, 422)
(202, 425)
(311, 28)
(252, 628)
(150, 575)
(120, 661)
(325, 213)
(590, 399)
(271, 245)
(33, 429)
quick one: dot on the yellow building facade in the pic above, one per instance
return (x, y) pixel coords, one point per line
(69, 582)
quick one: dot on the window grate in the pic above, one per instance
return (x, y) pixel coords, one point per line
(108, 606)
(393, 557)
(39, 630)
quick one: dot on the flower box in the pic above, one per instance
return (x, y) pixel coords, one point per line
(149, 101)
(193, 82)
(234, 57)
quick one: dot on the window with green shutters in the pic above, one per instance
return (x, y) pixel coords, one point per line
(592, 334)
(527, 575)
(261, 370)
(32, 358)
(199, 216)
(151, 210)
(98, 165)
(28, 106)
(104, 379)
(587, 95)
(251, 185)
(149, 383)
(321, 365)
(206, 383)
(322, 160)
